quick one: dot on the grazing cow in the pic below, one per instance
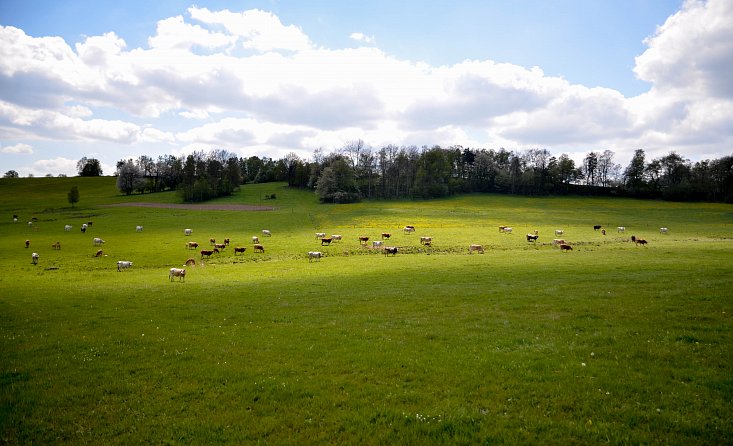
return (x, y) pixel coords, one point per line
(30, 225)
(377, 244)
(177, 272)
(603, 231)
(564, 247)
(226, 241)
(266, 233)
(596, 227)
(190, 262)
(621, 229)
(96, 241)
(320, 235)
(187, 231)
(507, 230)
(206, 253)
(239, 250)
(212, 241)
(386, 235)
(663, 230)
(259, 248)
(314, 255)
(363, 239)
(27, 243)
(56, 245)
(138, 228)
(123, 264)
(34, 258)
(409, 229)
(633, 238)
(220, 246)
(326, 241)
(532, 238)
(89, 223)
(426, 240)
(477, 248)
(336, 237)
(559, 232)
(558, 241)
(83, 228)
(641, 241)
(390, 250)
(99, 253)
(192, 245)
(67, 228)
(255, 239)
(15, 219)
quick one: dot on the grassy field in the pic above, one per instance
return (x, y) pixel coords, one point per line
(609, 343)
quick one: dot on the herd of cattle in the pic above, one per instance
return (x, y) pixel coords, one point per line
(322, 238)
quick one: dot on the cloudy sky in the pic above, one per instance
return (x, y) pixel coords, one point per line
(118, 79)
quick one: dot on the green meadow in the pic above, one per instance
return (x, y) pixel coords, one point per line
(609, 343)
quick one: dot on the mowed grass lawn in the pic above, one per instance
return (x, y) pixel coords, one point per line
(609, 343)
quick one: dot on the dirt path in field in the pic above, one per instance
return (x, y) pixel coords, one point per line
(198, 207)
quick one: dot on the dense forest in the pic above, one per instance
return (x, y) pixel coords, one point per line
(356, 171)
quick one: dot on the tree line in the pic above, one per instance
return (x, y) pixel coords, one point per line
(358, 171)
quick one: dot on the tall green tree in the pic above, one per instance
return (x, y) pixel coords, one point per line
(634, 174)
(73, 195)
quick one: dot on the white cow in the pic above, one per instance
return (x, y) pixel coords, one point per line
(426, 240)
(187, 231)
(97, 241)
(377, 244)
(558, 241)
(314, 255)
(123, 264)
(409, 229)
(177, 272)
(477, 248)
(67, 228)
(336, 237)
(255, 239)
(559, 232)
(621, 229)
(138, 228)
(663, 230)
(34, 258)
(320, 234)
(507, 230)
(83, 227)
(266, 232)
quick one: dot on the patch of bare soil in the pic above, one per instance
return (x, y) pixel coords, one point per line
(199, 207)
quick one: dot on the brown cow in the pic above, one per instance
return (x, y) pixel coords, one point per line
(99, 253)
(190, 262)
(56, 245)
(326, 240)
(564, 247)
(259, 248)
(386, 235)
(640, 241)
(363, 239)
(192, 245)
(212, 241)
(206, 253)
(477, 248)
(226, 241)
(239, 249)
(27, 243)
(220, 246)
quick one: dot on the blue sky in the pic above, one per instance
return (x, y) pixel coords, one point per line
(271, 77)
